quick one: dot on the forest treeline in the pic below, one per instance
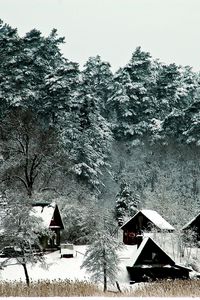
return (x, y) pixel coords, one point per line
(87, 137)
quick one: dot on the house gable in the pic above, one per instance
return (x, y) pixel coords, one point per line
(149, 253)
(150, 262)
(56, 221)
(193, 225)
(49, 214)
(50, 217)
(144, 221)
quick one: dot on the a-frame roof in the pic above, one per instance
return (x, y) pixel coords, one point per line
(194, 221)
(153, 217)
(47, 214)
(149, 245)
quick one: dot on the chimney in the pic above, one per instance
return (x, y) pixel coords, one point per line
(139, 239)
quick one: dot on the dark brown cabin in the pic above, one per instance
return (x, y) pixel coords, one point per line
(143, 221)
(51, 219)
(152, 263)
(192, 230)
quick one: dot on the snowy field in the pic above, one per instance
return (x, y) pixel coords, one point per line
(56, 267)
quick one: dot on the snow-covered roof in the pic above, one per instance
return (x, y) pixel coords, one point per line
(139, 250)
(45, 213)
(159, 221)
(190, 222)
(141, 247)
(155, 218)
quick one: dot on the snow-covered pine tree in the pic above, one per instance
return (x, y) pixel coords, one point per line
(34, 74)
(87, 137)
(175, 88)
(98, 79)
(9, 50)
(57, 93)
(131, 102)
(78, 227)
(182, 125)
(127, 202)
(39, 58)
(101, 258)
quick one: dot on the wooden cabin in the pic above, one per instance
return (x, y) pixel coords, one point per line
(192, 230)
(50, 217)
(150, 263)
(144, 221)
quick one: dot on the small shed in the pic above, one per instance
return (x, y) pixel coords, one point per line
(192, 229)
(145, 220)
(51, 219)
(151, 262)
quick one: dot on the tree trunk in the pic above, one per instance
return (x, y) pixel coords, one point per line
(104, 272)
(26, 274)
(118, 286)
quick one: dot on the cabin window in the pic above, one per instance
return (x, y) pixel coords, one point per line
(131, 234)
(153, 255)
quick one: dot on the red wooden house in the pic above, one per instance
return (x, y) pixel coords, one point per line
(144, 221)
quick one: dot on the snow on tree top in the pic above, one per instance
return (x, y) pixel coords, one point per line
(45, 213)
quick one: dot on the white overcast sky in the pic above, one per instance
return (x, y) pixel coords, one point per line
(168, 29)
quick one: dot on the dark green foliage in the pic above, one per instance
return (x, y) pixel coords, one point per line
(183, 125)
(86, 132)
(127, 202)
(82, 128)
(132, 100)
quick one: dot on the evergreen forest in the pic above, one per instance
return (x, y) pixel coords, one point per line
(94, 140)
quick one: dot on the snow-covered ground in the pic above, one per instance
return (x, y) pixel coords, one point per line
(56, 267)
